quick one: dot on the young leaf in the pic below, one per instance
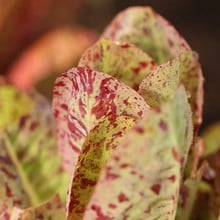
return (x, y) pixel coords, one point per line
(82, 98)
(123, 61)
(161, 83)
(141, 179)
(30, 144)
(52, 209)
(149, 31)
(96, 150)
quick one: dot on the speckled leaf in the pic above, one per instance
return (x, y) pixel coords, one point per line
(149, 31)
(28, 140)
(96, 150)
(52, 209)
(12, 191)
(124, 61)
(82, 98)
(143, 174)
(161, 83)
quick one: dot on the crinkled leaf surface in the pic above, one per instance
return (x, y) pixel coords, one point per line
(123, 61)
(82, 97)
(28, 152)
(52, 209)
(162, 82)
(96, 150)
(149, 31)
(142, 177)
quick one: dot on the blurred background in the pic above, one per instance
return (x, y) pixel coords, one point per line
(40, 37)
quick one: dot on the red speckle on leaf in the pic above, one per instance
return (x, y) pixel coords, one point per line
(124, 165)
(64, 107)
(163, 125)
(172, 178)
(8, 190)
(112, 206)
(143, 64)
(122, 197)
(136, 70)
(100, 215)
(175, 154)
(34, 125)
(156, 188)
(125, 45)
(139, 129)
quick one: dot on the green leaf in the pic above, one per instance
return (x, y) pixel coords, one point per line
(123, 61)
(83, 97)
(141, 179)
(52, 209)
(28, 150)
(96, 150)
(149, 31)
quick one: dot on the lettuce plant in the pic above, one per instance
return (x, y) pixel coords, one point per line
(126, 123)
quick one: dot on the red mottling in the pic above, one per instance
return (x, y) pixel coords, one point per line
(175, 154)
(163, 125)
(112, 206)
(8, 191)
(64, 107)
(109, 175)
(96, 56)
(75, 149)
(86, 182)
(125, 45)
(34, 125)
(170, 42)
(87, 79)
(82, 108)
(140, 113)
(172, 178)
(122, 197)
(133, 172)
(124, 165)
(104, 104)
(143, 64)
(59, 84)
(139, 129)
(136, 69)
(126, 102)
(100, 215)
(156, 188)
(23, 120)
(118, 134)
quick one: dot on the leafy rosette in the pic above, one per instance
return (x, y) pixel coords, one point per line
(126, 120)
